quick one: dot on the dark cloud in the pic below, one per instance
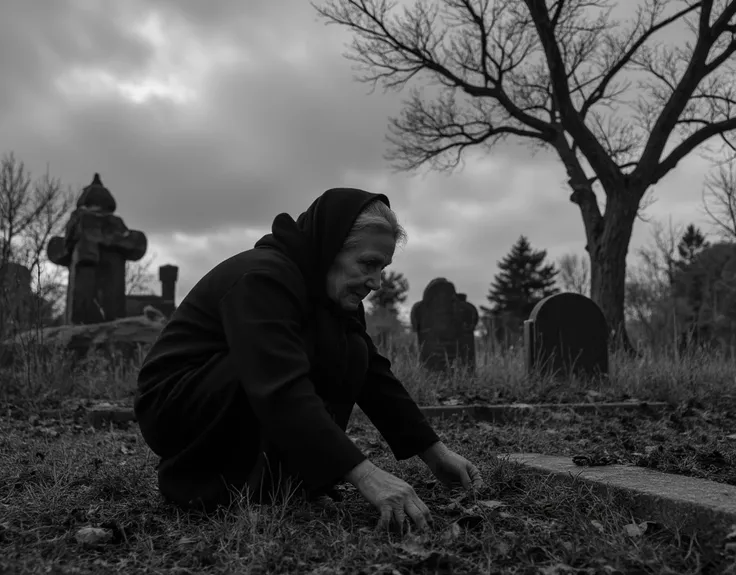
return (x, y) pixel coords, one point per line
(267, 117)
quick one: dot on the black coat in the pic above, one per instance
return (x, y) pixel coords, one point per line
(302, 362)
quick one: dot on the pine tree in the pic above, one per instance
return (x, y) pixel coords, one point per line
(524, 280)
(393, 291)
(691, 244)
(383, 319)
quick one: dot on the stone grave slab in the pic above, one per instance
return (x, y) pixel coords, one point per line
(566, 334)
(695, 506)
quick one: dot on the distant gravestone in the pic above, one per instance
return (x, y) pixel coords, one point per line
(444, 325)
(468, 317)
(567, 334)
(96, 246)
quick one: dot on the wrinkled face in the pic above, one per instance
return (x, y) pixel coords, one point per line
(356, 273)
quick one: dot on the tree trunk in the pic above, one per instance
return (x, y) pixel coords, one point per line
(608, 250)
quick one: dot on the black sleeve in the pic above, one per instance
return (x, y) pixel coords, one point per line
(391, 409)
(261, 318)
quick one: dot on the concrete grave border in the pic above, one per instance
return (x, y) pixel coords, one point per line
(694, 506)
(104, 414)
(506, 413)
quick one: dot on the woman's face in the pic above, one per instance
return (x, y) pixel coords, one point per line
(356, 273)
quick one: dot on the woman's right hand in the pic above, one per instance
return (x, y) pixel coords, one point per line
(393, 497)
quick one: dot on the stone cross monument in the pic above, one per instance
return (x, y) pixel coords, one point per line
(95, 248)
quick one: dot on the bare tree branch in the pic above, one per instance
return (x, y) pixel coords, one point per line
(627, 49)
(139, 278)
(688, 145)
(543, 68)
(574, 274)
(31, 211)
(719, 200)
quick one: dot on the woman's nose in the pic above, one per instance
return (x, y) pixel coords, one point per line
(374, 282)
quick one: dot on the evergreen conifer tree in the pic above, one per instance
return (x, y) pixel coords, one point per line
(691, 244)
(394, 288)
(524, 280)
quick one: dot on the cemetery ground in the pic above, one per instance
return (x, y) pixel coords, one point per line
(62, 480)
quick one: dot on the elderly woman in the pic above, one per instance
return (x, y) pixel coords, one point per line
(253, 379)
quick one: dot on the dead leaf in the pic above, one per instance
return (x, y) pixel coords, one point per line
(503, 548)
(597, 524)
(636, 529)
(452, 506)
(413, 544)
(732, 437)
(485, 426)
(93, 536)
(187, 540)
(451, 533)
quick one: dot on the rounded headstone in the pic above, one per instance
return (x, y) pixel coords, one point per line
(568, 333)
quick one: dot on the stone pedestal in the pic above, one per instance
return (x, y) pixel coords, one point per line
(168, 275)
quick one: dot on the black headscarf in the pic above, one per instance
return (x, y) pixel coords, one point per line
(312, 242)
(316, 237)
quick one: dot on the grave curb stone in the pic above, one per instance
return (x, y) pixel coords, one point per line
(515, 412)
(694, 506)
(505, 413)
(101, 415)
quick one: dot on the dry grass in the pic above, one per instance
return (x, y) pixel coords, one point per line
(59, 475)
(500, 377)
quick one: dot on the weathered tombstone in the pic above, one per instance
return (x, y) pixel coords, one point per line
(95, 248)
(442, 324)
(567, 334)
(468, 317)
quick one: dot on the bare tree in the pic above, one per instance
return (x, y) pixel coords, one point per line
(31, 212)
(139, 278)
(719, 200)
(649, 295)
(574, 274)
(618, 104)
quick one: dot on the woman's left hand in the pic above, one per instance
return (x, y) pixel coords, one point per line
(453, 469)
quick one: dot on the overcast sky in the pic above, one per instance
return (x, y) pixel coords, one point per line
(205, 119)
